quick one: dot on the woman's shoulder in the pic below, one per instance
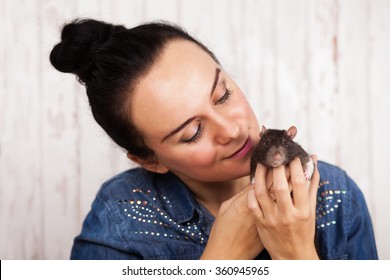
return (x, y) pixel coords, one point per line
(132, 182)
(332, 197)
(342, 217)
(329, 171)
(144, 214)
(335, 183)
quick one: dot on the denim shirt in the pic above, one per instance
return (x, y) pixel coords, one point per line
(143, 215)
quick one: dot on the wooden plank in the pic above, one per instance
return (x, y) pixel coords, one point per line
(21, 155)
(323, 93)
(379, 103)
(60, 139)
(291, 73)
(160, 10)
(93, 143)
(264, 95)
(353, 60)
(255, 40)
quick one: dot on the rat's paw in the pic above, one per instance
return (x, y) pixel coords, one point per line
(309, 169)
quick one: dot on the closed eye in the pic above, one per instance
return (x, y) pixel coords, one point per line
(196, 136)
(225, 97)
(198, 133)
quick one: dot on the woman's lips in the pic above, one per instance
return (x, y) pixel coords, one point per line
(244, 150)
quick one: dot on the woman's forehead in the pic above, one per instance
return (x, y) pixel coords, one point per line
(174, 89)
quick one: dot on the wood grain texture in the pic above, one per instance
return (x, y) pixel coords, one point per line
(322, 65)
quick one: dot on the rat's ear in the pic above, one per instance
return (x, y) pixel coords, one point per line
(292, 132)
(151, 164)
(263, 131)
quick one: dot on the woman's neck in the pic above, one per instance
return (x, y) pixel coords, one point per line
(212, 194)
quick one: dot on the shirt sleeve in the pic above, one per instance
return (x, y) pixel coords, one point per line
(100, 238)
(87, 250)
(361, 241)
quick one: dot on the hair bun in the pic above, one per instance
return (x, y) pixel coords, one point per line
(81, 39)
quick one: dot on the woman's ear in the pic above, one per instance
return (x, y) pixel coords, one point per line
(151, 164)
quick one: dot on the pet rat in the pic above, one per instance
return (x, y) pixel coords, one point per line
(276, 147)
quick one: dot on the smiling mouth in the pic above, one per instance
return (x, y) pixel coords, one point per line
(244, 150)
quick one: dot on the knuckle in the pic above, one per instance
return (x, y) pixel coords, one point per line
(253, 207)
(303, 215)
(281, 189)
(286, 221)
(299, 182)
(271, 223)
(260, 192)
(256, 214)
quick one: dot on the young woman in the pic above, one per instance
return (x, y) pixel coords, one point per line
(165, 99)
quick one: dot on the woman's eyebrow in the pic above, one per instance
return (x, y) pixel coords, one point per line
(217, 71)
(177, 129)
(184, 124)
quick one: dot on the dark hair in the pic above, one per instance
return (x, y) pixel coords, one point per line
(109, 59)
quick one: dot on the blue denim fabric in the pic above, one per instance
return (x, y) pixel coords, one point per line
(142, 215)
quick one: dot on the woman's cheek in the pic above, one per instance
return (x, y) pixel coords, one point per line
(204, 159)
(202, 156)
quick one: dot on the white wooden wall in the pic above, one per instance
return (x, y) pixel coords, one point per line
(323, 65)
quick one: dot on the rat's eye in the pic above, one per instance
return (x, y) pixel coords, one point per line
(267, 142)
(284, 143)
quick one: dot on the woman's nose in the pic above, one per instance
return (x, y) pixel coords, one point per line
(226, 130)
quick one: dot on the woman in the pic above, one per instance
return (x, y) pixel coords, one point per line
(163, 97)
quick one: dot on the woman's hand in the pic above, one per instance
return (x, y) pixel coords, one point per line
(285, 223)
(234, 234)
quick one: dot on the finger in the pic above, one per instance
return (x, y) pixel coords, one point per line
(288, 173)
(269, 179)
(261, 189)
(314, 184)
(281, 189)
(253, 205)
(299, 184)
(270, 184)
(288, 178)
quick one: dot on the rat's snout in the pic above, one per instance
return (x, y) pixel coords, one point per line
(275, 158)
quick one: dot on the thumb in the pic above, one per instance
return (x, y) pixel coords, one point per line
(314, 183)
